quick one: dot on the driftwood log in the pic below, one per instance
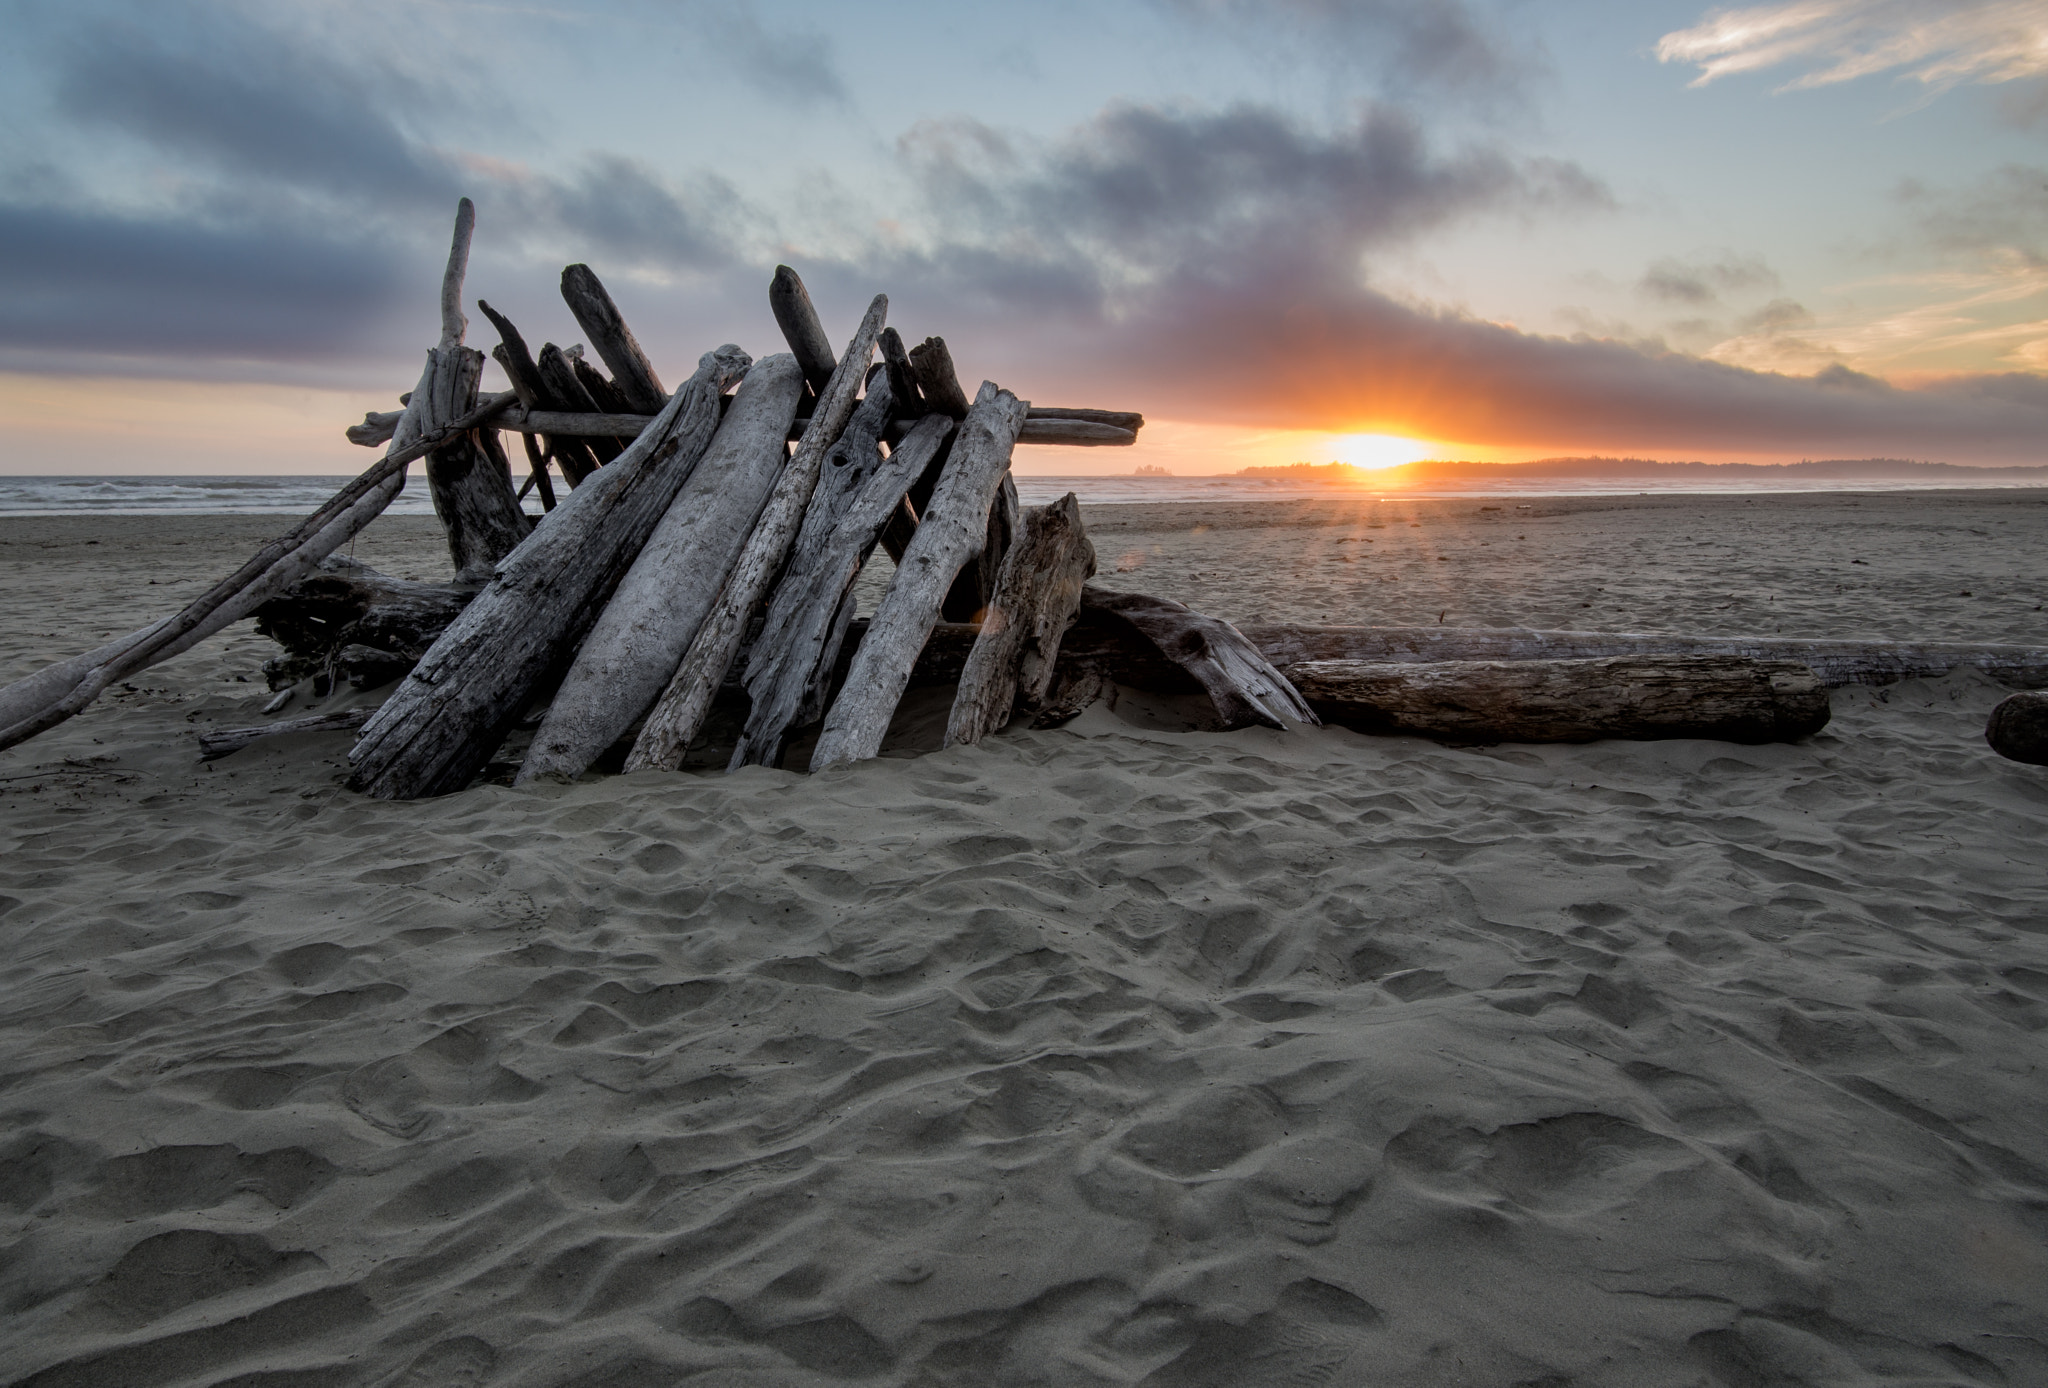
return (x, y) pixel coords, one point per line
(222, 741)
(582, 451)
(1045, 424)
(1836, 662)
(613, 341)
(346, 619)
(678, 716)
(903, 384)
(794, 313)
(790, 666)
(1640, 698)
(472, 487)
(2018, 728)
(952, 532)
(633, 649)
(1235, 674)
(449, 714)
(1037, 595)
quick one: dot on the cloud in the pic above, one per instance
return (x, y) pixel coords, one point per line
(1939, 43)
(1681, 282)
(1409, 45)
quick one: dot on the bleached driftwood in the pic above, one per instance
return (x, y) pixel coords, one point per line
(790, 667)
(1639, 698)
(794, 313)
(1836, 662)
(937, 378)
(612, 340)
(634, 647)
(472, 489)
(222, 741)
(1036, 597)
(2018, 728)
(1128, 420)
(951, 532)
(448, 715)
(1076, 433)
(1047, 425)
(1238, 679)
(679, 714)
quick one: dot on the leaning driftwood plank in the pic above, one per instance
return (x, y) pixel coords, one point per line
(447, 716)
(937, 378)
(794, 313)
(634, 647)
(599, 318)
(1836, 662)
(674, 723)
(950, 533)
(1245, 688)
(2018, 728)
(221, 742)
(1640, 698)
(792, 661)
(1037, 594)
(472, 490)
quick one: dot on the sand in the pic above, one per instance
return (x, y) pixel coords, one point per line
(1119, 1053)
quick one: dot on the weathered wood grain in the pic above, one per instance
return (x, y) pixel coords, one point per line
(1639, 698)
(579, 451)
(220, 742)
(950, 533)
(679, 714)
(449, 714)
(634, 647)
(1037, 594)
(903, 384)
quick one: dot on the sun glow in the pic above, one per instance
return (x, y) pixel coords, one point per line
(1370, 450)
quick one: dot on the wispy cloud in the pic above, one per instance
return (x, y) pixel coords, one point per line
(1939, 43)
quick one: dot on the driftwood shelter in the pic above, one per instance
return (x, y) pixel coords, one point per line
(703, 547)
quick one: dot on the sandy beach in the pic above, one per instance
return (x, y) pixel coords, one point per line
(1119, 1053)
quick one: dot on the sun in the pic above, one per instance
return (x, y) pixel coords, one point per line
(1372, 450)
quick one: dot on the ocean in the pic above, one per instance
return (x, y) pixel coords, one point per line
(206, 496)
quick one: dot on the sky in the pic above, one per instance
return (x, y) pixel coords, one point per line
(1291, 230)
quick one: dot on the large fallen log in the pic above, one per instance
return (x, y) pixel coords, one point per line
(2018, 728)
(634, 647)
(450, 713)
(1037, 595)
(1639, 698)
(613, 341)
(1235, 674)
(347, 606)
(472, 487)
(679, 714)
(1836, 662)
(791, 663)
(951, 533)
